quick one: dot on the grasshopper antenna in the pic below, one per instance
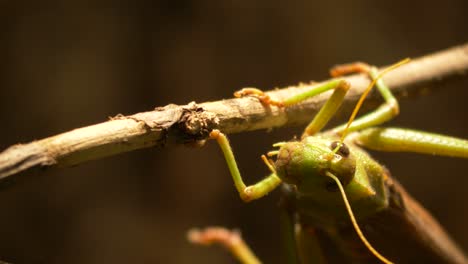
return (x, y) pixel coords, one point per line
(364, 95)
(355, 224)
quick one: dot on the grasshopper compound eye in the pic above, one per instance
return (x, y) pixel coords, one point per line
(342, 164)
(343, 150)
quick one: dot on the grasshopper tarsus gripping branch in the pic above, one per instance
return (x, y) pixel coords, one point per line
(262, 97)
(318, 165)
(344, 69)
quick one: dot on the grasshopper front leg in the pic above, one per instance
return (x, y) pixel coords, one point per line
(327, 111)
(247, 193)
(260, 189)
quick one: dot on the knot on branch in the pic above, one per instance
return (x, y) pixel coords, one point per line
(195, 124)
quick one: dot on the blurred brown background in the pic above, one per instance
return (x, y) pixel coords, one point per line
(68, 64)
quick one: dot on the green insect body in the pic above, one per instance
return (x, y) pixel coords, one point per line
(371, 192)
(314, 170)
(303, 164)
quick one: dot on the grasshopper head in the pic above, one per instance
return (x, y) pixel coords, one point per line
(304, 163)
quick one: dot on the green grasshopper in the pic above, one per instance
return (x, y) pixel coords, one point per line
(325, 176)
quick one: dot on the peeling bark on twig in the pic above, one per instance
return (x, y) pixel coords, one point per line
(193, 122)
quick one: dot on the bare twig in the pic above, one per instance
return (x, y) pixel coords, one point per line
(192, 122)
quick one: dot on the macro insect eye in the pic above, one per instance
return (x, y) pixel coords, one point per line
(343, 150)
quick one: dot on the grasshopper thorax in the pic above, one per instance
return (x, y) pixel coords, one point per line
(305, 163)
